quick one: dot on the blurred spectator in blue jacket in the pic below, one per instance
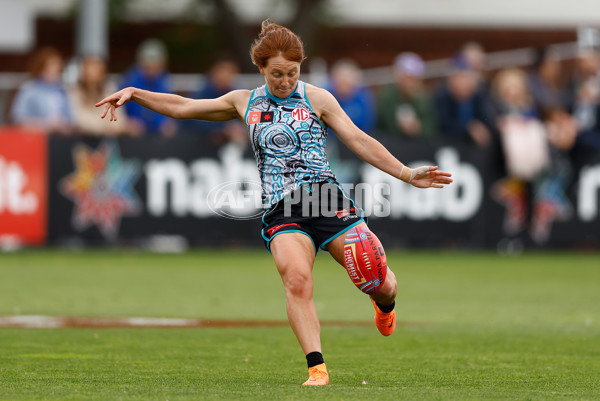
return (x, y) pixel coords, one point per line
(405, 107)
(149, 73)
(464, 112)
(42, 102)
(346, 84)
(221, 78)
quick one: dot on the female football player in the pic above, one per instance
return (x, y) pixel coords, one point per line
(287, 122)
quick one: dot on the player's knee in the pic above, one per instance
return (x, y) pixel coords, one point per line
(298, 284)
(365, 260)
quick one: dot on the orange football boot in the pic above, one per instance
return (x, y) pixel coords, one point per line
(318, 376)
(385, 322)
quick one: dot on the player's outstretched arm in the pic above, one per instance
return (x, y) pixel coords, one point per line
(368, 148)
(221, 109)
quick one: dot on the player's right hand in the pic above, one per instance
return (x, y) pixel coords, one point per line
(115, 101)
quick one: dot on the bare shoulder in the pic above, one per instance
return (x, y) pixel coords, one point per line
(318, 94)
(239, 96)
(329, 110)
(238, 100)
(321, 99)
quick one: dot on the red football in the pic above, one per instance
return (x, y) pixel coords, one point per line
(364, 260)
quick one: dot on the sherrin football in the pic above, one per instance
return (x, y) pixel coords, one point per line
(365, 260)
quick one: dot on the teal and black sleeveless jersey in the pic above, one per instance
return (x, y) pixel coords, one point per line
(288, 140)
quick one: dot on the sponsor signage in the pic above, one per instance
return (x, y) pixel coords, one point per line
(23, 186)
(131, 189)
(126, 189)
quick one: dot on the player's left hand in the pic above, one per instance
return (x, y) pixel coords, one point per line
(429, 177)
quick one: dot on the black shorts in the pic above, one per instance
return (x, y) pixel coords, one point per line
(322, 211)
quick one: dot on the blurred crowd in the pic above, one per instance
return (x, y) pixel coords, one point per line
(538, 124)
(539, 117)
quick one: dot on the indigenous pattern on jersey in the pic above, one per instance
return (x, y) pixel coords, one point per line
(288, 140)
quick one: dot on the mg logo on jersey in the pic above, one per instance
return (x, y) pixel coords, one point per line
(300, 114)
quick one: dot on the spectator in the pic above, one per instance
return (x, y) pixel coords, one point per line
(536, 168)
(522, 133)
(464, 112)
(92, 87)
(511, 95)
(585, 105)
(475, 57)
(545, 84)
(149, 73)
(355, 98)
(551, 100)
(41, 102)
(222, 77)
(405, 107)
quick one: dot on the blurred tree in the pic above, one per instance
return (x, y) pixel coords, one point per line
(238, 39)
(117, 10)
(305, 22)
(207, 28)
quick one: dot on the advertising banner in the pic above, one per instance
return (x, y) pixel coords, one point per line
(132, 190)
(23, 187)
(135, 189)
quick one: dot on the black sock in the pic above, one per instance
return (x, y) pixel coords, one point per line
(314, 359)
(386, 308)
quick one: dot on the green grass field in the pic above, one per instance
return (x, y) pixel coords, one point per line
(478, 327)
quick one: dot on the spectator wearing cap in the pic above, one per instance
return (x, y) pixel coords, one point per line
(346, 84)
(405, 107)
(464, 112)
(150, 73)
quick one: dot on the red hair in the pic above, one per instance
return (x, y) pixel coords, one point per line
(275, 40)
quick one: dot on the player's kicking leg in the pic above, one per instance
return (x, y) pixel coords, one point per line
(384, 299)
(294, 255)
